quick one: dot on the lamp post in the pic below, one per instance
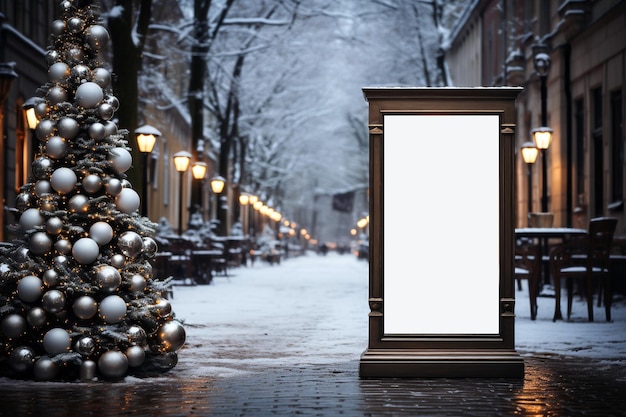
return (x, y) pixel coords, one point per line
(252, 201)
(146, 138)
(529, 155)
(543, 135)
(198, 170)
(217, 184)
(181, 163)
(244, 200)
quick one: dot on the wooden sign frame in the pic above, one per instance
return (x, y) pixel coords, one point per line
(441, 287)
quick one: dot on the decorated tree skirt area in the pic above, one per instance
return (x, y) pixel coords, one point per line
(78, 300)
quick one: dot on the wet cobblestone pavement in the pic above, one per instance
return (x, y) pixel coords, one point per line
(269, 357)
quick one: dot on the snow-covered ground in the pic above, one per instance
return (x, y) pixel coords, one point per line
(313, 310)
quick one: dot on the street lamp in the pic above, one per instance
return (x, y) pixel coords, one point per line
(146, 138)
(198, 170)
(244, 200)
(31, 114)
(529, 155)
(181, 163)
(543, 134)
(217, 185)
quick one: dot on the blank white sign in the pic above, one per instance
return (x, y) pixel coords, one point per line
(441, 224)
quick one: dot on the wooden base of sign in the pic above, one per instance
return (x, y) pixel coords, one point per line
(386, 363)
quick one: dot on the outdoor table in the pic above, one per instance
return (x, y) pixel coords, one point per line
(545, 233)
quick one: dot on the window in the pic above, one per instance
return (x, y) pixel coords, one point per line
(617, 151)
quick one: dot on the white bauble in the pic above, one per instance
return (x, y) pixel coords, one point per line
(58, 72)
(68, 127)
(63, 180)
(127, 201)
(121, 159)
(85, 250)
(89, 95)
(101, 232)
(56, 147)
(102, 77)
(56, 341)
(112, 309)
(136, 356)
(29, 288)
(92, 183)
(30, 218)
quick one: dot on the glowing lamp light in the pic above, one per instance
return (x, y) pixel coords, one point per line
(217, 184)
(198, 170)
(529, 152)
(146, 138)
(542, 137)
(181, 161)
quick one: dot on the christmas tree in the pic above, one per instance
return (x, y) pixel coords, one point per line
(78, 299)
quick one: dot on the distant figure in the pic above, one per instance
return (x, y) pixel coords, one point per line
(323, 249)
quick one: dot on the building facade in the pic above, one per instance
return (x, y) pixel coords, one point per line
(496, 43)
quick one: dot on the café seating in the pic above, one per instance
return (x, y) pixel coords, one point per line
(528, 267)
(584, 260)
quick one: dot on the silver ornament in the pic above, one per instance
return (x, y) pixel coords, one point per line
(113, 186)
(79, 203)
(54, 225)
(97, 36)
(130, 244)
(171, 336)
(22, 201)
(111, 128)
(106, 111)
(58, 72)
(63, 246)
(85, 346)
(97, 131)
(113, 364)
(43, 187)
(42, 168)
(22, 359)
(163, 308)
(44, 369)
(13, 325)
(56, 340)
(63, 180)
(85, 250)
(85, 307)
(36, 317)
(31, 218)
(136, 335)
(51, 278)
(68, 128)
(101, 232)
(120, 159)
(112, 309)
(53, 301)
(150, 247)
(88, 370)
(66, 5)
(102, 77)
(41, 110)
(127, 201)
(118, 261)
(56, 147)
(137, 283)
(75, 55)
(75, 25)
(56, 95)
(113, 102)
(57, 27)
(52, 56)
(44, 129)
(165, 361)
(29, 288)
(79, 73)
(108, 278)
(89, 95)
(48, 203)
(92, 183)
(39, 243)
(136, 356)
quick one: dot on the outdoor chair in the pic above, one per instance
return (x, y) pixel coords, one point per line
(584, 261)
(528, 267)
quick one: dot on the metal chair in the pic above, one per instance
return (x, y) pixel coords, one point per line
(584, 260)
(528, 267)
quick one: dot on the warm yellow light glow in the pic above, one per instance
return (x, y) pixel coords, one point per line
(353, 232)
(542, 137)
(244, 199)
(258, 205)
(31, 118)
(198, 170)
(303, 232)
(529, 152)
(276, 216)
(217, 184)
(253, 199)
(146, 138)
(362, 222)
(181, 161)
